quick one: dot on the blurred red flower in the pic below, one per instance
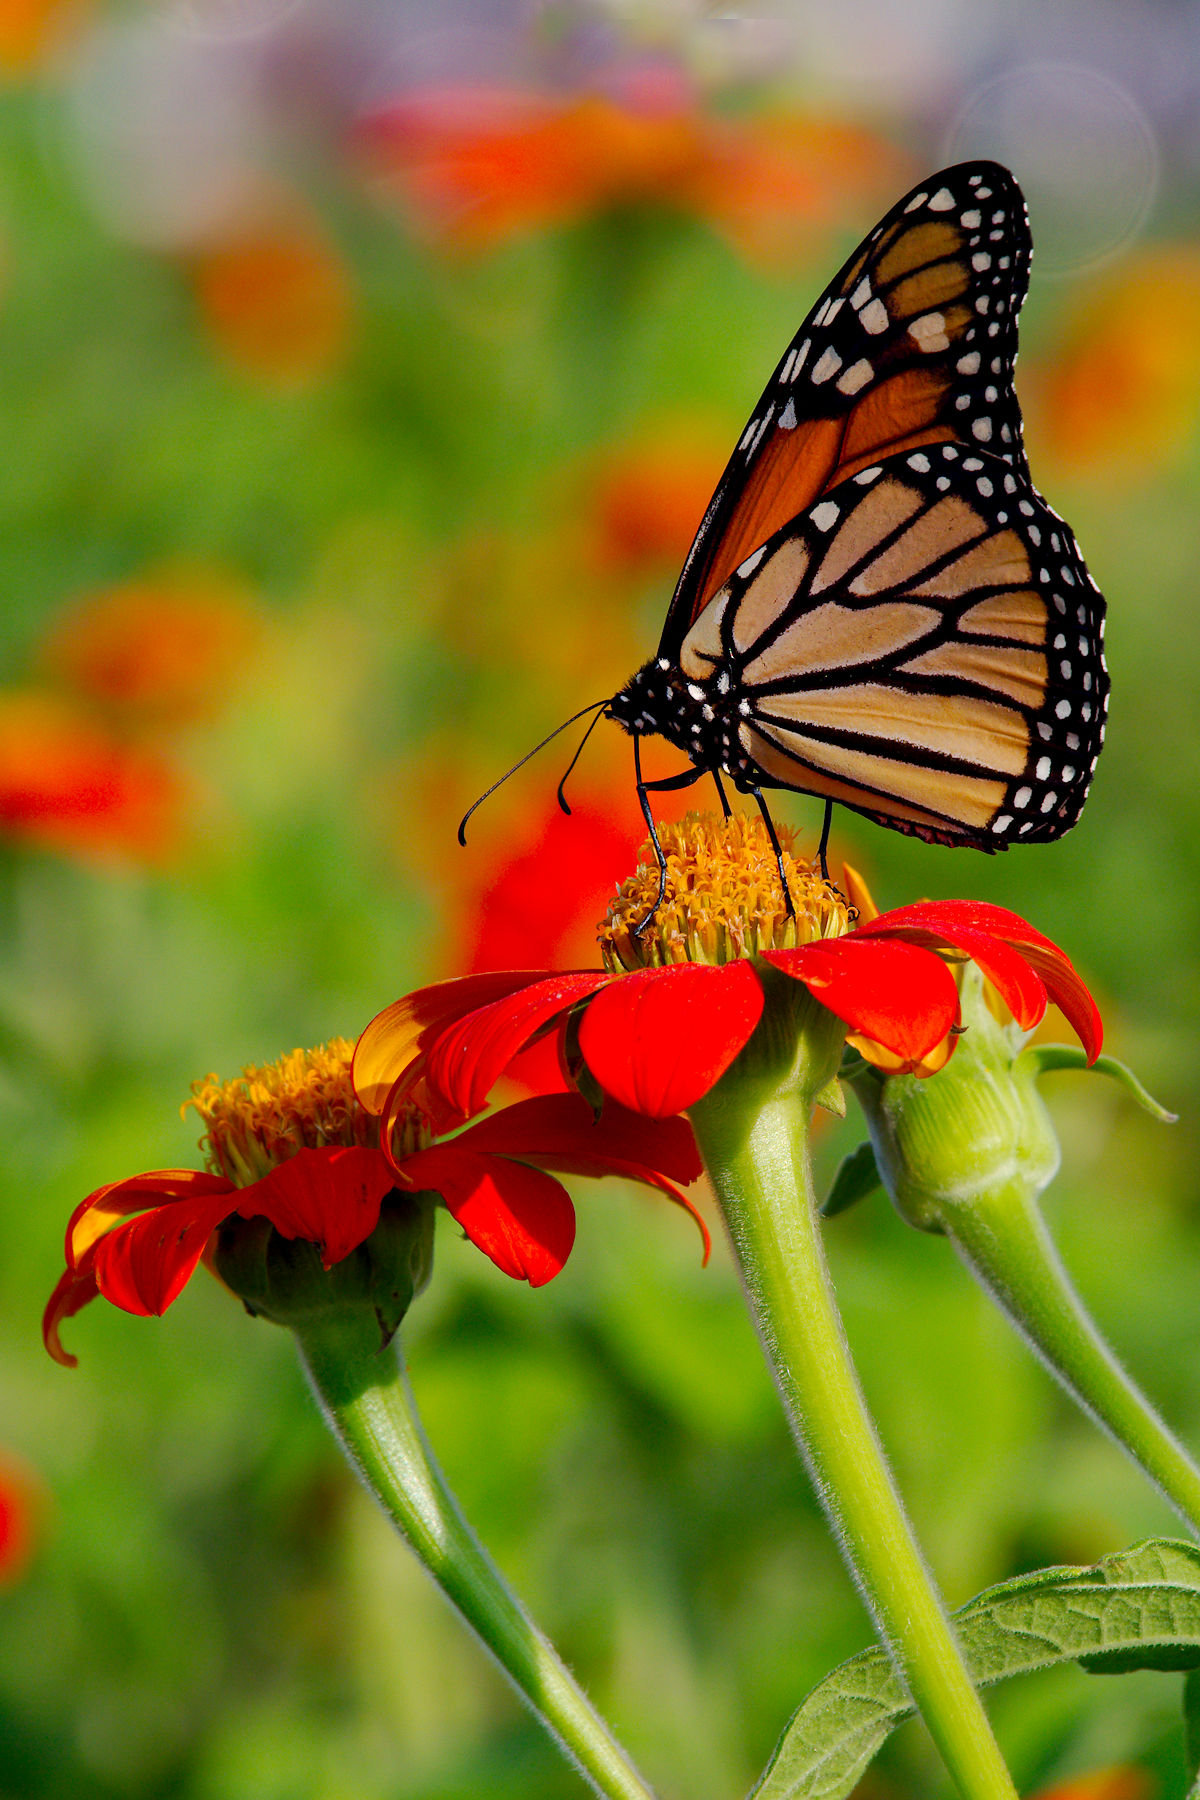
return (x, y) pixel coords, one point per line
(642, 503)
(657, 1039)
(68, 783)
(479, 165)
(22, 1503)
(161, 648)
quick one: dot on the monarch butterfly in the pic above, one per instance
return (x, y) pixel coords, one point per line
(879, 608)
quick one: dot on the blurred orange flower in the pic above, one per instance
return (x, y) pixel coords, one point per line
(276, 300)
(478, 165)
(160, 649)
(31, 28)
(22, 1503)
(1123, 393)
(644, 502)
(68, 783)
(1105, 1784)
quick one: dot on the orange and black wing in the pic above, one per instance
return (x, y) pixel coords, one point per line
(923, 645)
(912, 344)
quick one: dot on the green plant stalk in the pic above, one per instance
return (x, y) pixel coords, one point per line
(1002, 1237)
(366, 1398)
(753, 1132)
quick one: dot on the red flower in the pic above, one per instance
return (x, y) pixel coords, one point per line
(67, 782)
(22, 1503)
(477, 166)
(138, 1241)
(657, 1039)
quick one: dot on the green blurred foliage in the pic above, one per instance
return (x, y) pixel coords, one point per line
(214, 1609)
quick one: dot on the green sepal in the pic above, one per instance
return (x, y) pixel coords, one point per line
(1048, 1057)
(857, 1179)
(1142, 1604)
(832, 1098)
(284, 1280)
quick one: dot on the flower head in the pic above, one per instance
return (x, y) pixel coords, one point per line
(678, 1001)
(290, 1151)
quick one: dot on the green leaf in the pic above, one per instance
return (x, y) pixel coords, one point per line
(1139, 1609)
(1049, 1057)
(857, 1177)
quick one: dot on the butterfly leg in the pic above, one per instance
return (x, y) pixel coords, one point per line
(776, 847)
(672, 783)
(725, 808)
(823, 846)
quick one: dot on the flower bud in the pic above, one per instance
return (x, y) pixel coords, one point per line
(979, 1125)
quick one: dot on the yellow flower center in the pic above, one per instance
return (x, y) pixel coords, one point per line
(723, 900)
(305, 1100)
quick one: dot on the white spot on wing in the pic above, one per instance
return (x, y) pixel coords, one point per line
(827, 365)
(874, 317)
(825, 516)
(855, 377)
(943, 200)
(929, 332)
(787, 418)
(747, 568)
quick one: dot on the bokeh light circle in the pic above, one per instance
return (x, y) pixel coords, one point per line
(1081, 148)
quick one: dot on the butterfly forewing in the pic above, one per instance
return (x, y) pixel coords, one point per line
(924, 644)
(912, 344)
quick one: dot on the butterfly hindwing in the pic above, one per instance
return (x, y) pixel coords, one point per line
(924, 645)
(913, 343)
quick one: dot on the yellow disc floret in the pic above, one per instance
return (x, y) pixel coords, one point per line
(304, 1100)
(723, 899)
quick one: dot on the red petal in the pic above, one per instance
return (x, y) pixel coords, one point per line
(942, 918)
(468, 1058)
(330, 1196)
(901, 996)
(564, 1124)
(659, 1039)
(561, 1132)
(395, 1038)
(75, 1288)
(93, 1216)
(994, 937)
(520, 1217)
(1068, 992)
(144, 1264)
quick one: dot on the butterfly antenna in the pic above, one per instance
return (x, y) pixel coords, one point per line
(562, 798)
(550, 736)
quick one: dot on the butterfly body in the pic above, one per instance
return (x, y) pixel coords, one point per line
(879, 608)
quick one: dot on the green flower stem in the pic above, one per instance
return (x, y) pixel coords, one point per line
(1003, 1238)
(752, 1130)
(366, 1398)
